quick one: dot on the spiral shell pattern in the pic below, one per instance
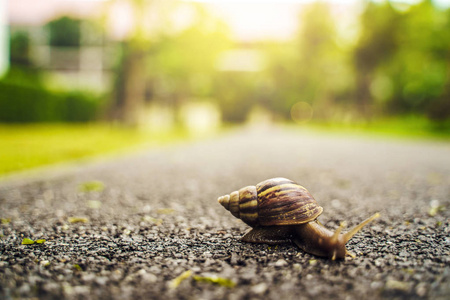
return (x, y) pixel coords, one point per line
(242, 204)
(276, 201)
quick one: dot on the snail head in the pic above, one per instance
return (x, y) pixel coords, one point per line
(337, 241)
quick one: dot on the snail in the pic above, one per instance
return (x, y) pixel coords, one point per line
(280, 210)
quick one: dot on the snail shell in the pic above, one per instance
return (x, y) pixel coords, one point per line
(276, 201)
(280, 210)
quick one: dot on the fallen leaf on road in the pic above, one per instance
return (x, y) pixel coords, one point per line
(216, 280)
(77, 220)
(91, 186)
(44, 263)
(77, 267)
(176, 282)
(397, 285)
(435, 208)
(152, 220)
(27, 241)
(165, 211)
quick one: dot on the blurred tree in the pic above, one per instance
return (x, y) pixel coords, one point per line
(323, 73)
(238, 93)
(419, 70)
(311, 69)
(380, 29)
(282, 75)
(183, 64)
(64, 32)
(402, 60)
(20, 49)
(132, 81)
(399, 65)
(22, 71)
(129, 88)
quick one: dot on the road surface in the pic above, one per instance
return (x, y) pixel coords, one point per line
(150, 225)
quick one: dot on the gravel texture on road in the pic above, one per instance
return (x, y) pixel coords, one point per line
(151, 226)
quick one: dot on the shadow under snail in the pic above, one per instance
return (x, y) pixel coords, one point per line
(280, 210)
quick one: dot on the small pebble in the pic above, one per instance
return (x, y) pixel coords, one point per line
(260, 288)
(397, 285)
(421, 289)
(376, 285)
(44, 263)
(281, 263)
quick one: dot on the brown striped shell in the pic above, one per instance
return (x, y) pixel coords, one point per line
(276, 201)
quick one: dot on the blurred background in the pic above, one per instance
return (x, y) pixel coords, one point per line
(166, 66)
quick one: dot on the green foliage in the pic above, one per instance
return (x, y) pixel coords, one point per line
(82, 107)
(399, 65)
(23, 99)
(172, 67)
(23, 76)
(311, 69)
(28, 104)
(183, 65)
(64, 32)
(20, 49)
(402, 60)
(237, 93)
(378, 36)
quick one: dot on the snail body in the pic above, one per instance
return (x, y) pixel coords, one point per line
(280, 210)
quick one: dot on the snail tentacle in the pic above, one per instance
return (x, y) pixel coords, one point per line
(351, 233)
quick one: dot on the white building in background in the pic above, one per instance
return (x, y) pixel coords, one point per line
(4, 37)
(84, 67)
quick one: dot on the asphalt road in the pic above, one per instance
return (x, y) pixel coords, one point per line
(157, 218)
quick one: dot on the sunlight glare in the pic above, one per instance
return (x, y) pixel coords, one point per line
(257, 22)
(252, 20)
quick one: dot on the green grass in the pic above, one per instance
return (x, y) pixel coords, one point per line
(407, 127)
(24, 147)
